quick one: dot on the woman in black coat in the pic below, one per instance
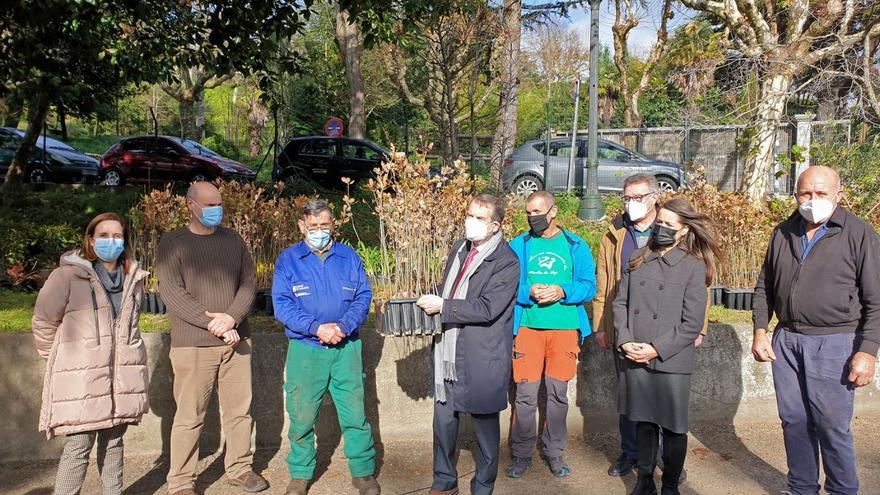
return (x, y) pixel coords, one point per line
(658, 314)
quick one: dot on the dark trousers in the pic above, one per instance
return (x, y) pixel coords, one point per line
(487, 429)
(815, 402)
(674, 453)
(627, 428)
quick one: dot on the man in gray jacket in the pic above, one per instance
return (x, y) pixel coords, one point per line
(821, 277)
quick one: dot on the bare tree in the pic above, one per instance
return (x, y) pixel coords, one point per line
(189, 91)
(451, 45)
(628, 14)
(787, 42)
(508, 95)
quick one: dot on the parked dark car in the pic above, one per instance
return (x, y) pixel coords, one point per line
(523, 171)
(167, 159)
(51, 160)
(326, 160)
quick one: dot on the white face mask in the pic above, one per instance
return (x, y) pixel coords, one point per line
(636, 210)
(475, 230)
(816, 211)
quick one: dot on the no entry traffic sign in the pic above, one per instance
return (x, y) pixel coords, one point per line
(334, 127)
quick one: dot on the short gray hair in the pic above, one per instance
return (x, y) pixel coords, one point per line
(494, 202)
(649, 180)
(315, 206)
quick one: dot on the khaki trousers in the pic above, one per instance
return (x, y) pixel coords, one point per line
(196, 371)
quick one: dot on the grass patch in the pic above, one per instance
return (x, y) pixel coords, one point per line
(720, 314)
(16, 309)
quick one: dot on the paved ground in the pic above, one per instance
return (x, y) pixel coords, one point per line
(720, 461)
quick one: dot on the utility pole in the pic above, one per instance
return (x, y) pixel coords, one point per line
(572, 154)
(591, 207)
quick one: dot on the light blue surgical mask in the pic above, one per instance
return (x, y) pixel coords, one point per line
(318, 239)
(211, 216)
(109, 249)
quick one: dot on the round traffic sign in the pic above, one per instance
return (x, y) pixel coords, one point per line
(334, 127)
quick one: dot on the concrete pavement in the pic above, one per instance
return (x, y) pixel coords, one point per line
(722, 460)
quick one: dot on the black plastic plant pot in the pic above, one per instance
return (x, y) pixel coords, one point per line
(740, 299)
(149, 304)
(402, 317)
(160, 306)
(268, 305)
(716, 295)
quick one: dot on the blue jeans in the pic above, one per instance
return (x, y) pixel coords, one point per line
(815, 401)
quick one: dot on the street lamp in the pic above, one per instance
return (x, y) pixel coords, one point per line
(591, 207)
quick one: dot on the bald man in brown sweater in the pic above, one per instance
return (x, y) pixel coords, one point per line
(207, 281)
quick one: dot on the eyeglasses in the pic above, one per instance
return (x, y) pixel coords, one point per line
(639, 198)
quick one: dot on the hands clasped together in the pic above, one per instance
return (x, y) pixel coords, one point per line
(639, 352)
(222, 326)
(546, 294)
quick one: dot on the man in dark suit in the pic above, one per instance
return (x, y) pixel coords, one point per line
(472, 355)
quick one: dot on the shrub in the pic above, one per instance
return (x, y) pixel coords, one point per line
(265, 219)
(223, 146)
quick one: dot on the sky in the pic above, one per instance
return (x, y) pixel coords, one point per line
(641, 38)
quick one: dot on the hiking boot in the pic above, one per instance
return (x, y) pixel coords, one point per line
(622, 466)
(518, 467)
(367, 485)
(297, 487)
(250, 482)
(645, 485)
(558, 466)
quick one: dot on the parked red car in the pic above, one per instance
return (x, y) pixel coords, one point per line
(167, 159)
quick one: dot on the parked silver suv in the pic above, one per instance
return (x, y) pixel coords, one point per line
(523, 171)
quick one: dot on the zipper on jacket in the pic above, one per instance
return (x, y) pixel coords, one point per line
(97, 320)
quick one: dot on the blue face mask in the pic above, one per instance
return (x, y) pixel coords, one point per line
(109, 249)
(211, 216)
(318, 239)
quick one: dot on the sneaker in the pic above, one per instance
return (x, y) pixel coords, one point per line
(622, 466)
(518, 467)
(250, 482)
(558, 466)
(366, 485)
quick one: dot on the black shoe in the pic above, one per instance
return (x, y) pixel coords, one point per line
(518, 467)
(622, 466)
(644, 486)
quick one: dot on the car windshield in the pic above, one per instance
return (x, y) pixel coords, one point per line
(383, 149)
(198, 149)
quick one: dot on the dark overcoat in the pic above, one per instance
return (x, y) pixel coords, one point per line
(485, 342)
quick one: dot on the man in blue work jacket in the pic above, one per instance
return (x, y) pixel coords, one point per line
(322, 296)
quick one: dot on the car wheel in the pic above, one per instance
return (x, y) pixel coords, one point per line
(527, 184)
(37, 176)
(113, 178)
(666, 184)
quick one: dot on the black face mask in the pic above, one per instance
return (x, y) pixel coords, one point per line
(663, 236)
(539, 224)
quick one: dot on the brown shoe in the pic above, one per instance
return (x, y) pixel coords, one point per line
(367, 485)
(250, 482)
(185, 491)
(297, 487)
(451, 491)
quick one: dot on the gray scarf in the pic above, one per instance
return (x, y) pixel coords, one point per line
(113, 283)
(444, 343)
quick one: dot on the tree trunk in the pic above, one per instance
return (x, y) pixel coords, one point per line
(764, 126)
(62, 121)
(505, 132)
(38, 106)
(14, 107)
(192, 115)
(351, 47)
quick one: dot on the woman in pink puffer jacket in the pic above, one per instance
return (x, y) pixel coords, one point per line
(85, 325)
